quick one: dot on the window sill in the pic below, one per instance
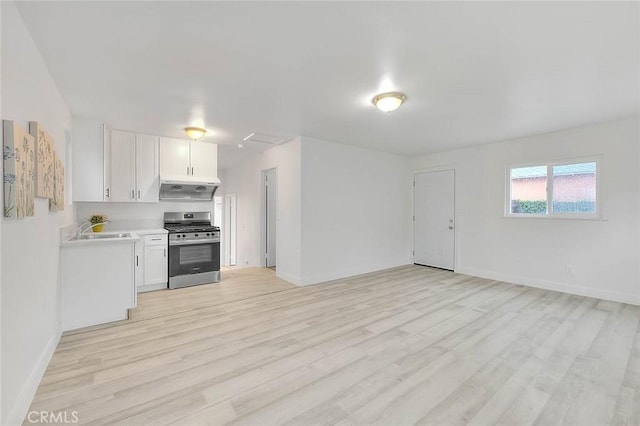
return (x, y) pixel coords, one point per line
(553, 217)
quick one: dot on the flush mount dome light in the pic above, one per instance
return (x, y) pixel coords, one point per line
(195, 133)
(389, 101)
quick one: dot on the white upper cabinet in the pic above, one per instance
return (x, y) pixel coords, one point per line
(123, 161)
(134, 167)
(91, 167)
(204, 161)
(175, 160)
(188, 160)
(147, 171)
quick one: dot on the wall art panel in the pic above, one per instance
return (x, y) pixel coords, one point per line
(57, 203)
(44, 160)
(19, 166)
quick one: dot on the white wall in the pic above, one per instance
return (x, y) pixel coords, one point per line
(341, 210)
(145, 215)
(597, 258)
(1, 220)
(244, 180)
(138, 215)
(30, 246)
(356, 211)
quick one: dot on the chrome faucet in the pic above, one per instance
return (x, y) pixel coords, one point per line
(81, 229)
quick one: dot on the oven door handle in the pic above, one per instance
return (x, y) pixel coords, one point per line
(193, 242)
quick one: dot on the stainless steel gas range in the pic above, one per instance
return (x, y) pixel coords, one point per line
(194, 249)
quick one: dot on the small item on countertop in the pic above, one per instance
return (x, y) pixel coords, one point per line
(97, 222)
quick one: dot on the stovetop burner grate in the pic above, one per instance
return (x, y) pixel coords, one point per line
(191, 228)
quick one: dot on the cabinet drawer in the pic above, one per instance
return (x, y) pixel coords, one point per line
(155, 240)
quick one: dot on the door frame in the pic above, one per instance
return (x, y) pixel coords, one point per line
(435, 169)
(263, 216)
(230, 230)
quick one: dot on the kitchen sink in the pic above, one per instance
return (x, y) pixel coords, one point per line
(102, 236)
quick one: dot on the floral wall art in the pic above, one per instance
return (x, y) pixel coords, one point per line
(44, 160)
(57, 203)
(19, 164)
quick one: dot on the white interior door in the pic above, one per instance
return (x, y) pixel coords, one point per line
(270, 199)
(218, 215)
(230, 229)
(434, 219)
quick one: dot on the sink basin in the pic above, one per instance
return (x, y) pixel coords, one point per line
(102, 236)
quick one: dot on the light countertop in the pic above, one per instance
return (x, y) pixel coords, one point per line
(136, 229)
(146, 231)
(132, 238)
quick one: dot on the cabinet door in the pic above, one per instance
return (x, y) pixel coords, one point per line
(123, 154)
(147, 175)
(174, 158)
(139, 269)
(155, 265)
(106, 153)
(204, 160)
(89, 160)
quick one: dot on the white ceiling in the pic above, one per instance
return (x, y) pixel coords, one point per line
(472, 72)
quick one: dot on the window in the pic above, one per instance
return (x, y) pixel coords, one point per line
(567, 189)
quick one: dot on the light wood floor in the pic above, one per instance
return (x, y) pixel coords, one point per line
(235, 284)
(411, 345)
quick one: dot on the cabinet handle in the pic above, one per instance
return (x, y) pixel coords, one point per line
(187, 169)
(108, 194)
(133, 194)
(137, 260)
(138, 194)
(192, 171)
(164, 252)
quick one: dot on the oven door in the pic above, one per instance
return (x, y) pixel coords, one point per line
(196, 257)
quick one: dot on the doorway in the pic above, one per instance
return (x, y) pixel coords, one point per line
(434, 219)
(229, 230)
(269, 212)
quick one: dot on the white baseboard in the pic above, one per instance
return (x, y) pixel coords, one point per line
(21, 408)
(336, 275)
(151, 287)
(613, 296)
(288, 277)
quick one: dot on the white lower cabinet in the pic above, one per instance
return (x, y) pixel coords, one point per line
(154, 263)
(97, 283)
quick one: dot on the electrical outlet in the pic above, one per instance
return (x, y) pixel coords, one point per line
(568, 270)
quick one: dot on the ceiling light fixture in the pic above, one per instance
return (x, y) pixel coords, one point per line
(195, 133)
(389, 101)
(240, 145)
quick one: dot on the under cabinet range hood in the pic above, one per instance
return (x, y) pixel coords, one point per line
(179, 190)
